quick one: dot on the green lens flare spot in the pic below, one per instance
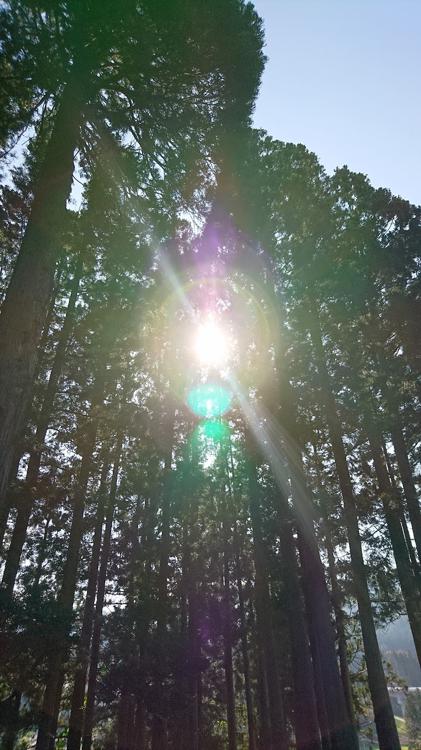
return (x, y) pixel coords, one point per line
(209, 400)
(214, 432)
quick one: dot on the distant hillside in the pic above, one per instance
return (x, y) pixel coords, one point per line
(398, 648)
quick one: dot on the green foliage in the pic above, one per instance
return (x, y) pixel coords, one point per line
(413, 719)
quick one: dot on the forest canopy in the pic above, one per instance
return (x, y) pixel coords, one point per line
(209, 399)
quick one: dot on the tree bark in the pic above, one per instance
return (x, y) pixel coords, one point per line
(383, 713)
(88, 723)
(11, 731)
(67, 592)
(279, 740)
(391, 506)
(318, 674)
(159, 723)
(251, 727)
(228, 666)
(408, 483)
(125, 720)
(340, 623)
(340, 732)
(306, 723)
(26, 497)
(8, 499)
(140, 725)
(396, 492)
(42, 551)
(25, 306)
(74, 736)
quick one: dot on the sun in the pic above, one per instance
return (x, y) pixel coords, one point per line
(212, 345)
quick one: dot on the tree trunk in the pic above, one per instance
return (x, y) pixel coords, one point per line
(341, 732)
(279, 739)
(11, 731)
(193, 671)
(82, 659)
(8, 500)
(159, 723)
(25, 306)
(26, 496)
(331, 703)
(125, 720)
(383, 713)
(251, 727)
(396, 492)
(318, 674)
(340, 623)
(42, 551)
(227, 614)
(140, 725)
(305, 709)
(407, 579)
(67, 592)
(96, 633)
(245, 654)
(408, 483)
(262, 689)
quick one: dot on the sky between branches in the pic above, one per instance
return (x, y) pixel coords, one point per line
(343, 78)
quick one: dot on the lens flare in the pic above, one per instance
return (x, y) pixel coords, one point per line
(209, 400)
(212, 345)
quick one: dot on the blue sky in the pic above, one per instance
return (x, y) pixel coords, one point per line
(343, 77)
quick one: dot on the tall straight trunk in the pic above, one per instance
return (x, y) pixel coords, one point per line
(262, 700)
(262, 697)
(306, 723)
(193, 682)
(228, 665)
(140, 724)
(159, 728)
(199, 710)
(159, 722)
(409, 546)
(26, 498)
(189, 680)
(11, 731)
(131, 687)
(278, 733)
(319, 675)
(337, 599)
(407, 579)
(82, 658)
(8, 499)
(245, 653)
(190, 623)
(251, 728)
(125, 720)
(68, 588)
(57, 701)
(88, 722)
(42, 552)
(377, 340)
(25, 306)
(408, 483)
(339, 731)
(179, 738)
(383, 713)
